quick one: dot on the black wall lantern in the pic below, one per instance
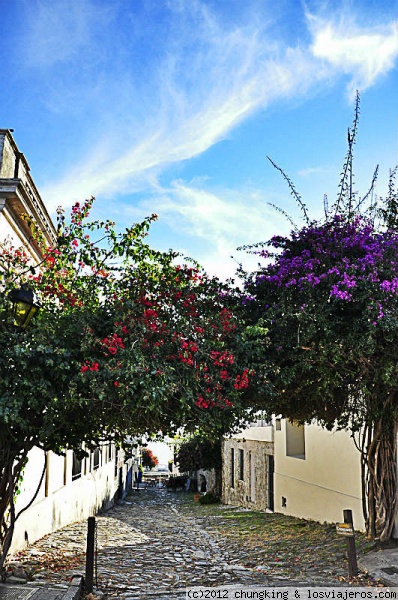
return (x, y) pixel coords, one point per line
(24, 306)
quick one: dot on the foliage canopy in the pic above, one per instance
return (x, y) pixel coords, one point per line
(128, 342)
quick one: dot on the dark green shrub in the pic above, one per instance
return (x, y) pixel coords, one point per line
(209, 498)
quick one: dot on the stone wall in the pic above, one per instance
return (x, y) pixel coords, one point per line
(245, 473)
(8, 154)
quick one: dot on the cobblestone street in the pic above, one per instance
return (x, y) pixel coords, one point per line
(156, 543)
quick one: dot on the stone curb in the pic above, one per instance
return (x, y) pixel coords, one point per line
(382, 565)
(40, 592)
(75, 589)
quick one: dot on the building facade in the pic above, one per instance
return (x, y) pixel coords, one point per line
(248, 468)
(304, 471)
(317, 473)
(18, 196)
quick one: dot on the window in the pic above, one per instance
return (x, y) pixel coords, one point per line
(96, 458)
(295, 440)
(232, 468)
(116, 461)
(241, 464)
(76, 467)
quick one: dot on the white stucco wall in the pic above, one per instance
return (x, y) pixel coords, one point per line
(18, 196)
(62, 501)
(322, 483)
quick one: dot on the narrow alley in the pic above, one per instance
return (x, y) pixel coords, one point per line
(156, 543)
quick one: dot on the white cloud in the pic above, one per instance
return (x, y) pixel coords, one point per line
(310, 171)
(363, 54)
(188, 123)
(218, 220)
(199, 81)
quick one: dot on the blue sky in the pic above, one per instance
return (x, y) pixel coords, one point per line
(171, 107)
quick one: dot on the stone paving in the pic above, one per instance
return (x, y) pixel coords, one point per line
(153, 545)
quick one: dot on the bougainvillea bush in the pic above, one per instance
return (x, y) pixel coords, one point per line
(328, 300)
(128, 342)
(322, 323)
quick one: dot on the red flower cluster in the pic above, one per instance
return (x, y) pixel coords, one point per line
(143, 300)
(62, 293)
(242, 381)
(50, 255)
(151, 319)
(123, 328)
(80, 211)
(225, 318)
(188, 349)
(113, 343)
(88, 365)
(221, 359)
(202, 403)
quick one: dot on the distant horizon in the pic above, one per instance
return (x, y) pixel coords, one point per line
(172, 107)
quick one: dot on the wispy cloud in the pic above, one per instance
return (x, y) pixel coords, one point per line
(219, 220)
(190, 130)
(176, 80)
(193, 105)
(365, 54)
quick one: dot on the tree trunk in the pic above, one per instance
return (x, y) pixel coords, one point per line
(11, 468)
(380, 486)
(8, 524)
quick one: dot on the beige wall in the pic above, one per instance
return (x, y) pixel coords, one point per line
(317, 472)
(320, 482)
